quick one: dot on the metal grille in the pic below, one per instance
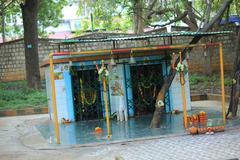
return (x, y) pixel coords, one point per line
(147, 80)
(167, 96)
(87, 97)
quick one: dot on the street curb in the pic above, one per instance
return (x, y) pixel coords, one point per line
(214, 97)
(20, 112)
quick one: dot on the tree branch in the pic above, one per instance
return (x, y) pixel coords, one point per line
(6, 6)
(160, 11)
(161, 95)
(178, 18)
(150, 7)
(186, 20)
(208, 11)
(219, 14)
(191, 15)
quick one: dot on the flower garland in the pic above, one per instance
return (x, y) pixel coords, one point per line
(92, 95)
(102, 72)
(92, 98)
(181, 68)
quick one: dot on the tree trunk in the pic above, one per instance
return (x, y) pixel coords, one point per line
(167, 83)
(233, 106)
(138, 16)
(29, 14)
(161, 95)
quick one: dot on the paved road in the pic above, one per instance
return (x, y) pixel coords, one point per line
(219, 146)
(20, 140)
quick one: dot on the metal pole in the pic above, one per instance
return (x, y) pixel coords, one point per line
(54, 98)
(222, 83)
(92, 25)
(106, 107)
(183, 93)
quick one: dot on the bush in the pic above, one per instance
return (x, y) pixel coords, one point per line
(194, 79)
(16, 95)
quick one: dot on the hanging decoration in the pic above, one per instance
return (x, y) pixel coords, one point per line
(90, 98)
(173, 60)
(87, 97)
(181, 67)
(187, 59)
(102, 72)
(73, 71)
(145, 84)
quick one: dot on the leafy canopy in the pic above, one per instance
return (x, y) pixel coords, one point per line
(49, 14)
(118, 14)
(107, 14)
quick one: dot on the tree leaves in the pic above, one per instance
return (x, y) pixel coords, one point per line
(49, 14)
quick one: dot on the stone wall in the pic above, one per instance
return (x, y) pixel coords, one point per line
(209, 62)
(12, 59)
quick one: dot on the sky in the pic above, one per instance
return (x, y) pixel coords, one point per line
(70, 12)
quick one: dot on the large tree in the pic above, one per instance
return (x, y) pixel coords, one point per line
(30, 25)
(30, 14)
(190, 20)
(106, 14)
(36, 17)
(200, 16)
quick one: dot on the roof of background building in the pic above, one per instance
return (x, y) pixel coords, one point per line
(143, 36)
(231, 19)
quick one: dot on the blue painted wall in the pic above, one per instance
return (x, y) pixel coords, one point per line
(117, 91)
(69, 92)
(176, 93)
(65, 95)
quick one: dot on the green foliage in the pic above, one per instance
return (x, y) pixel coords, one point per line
(107, 14)
(204, 80)
(49, 14)
(228, 81)
(11, 14)
(194, 79)
(216, 4)
(16, 95)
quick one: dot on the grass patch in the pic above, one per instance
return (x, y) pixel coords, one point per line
(16, 95)
(196, 79)
(211, 84)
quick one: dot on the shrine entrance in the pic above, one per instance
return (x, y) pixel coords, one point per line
(147, 80)
(87, 95)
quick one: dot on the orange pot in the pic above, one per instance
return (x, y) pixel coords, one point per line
(194, 120)
(219, 128)
(202, 113)
(202, 130)
(193, 130)
(98, 130)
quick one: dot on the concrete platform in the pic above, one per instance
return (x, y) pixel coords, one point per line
(20, 140)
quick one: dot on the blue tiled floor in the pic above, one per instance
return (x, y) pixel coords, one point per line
(138, 127)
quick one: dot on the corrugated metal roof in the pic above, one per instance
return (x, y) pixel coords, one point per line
(145, 36)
